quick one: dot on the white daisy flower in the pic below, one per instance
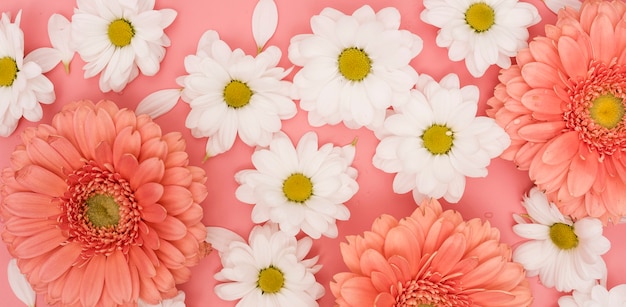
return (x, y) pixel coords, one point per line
(231, 93)
(268, 270)
(483, 32)
(354, 67)
(22, 85)
(436, 140)
(598, 296)
(119, 38)
(301, 188)
(565, 254)
(177, 301)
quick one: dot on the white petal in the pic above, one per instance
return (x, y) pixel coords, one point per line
(59, 32)
(220, 238)
(264, 22)
(20, 285)
(159, 103)
(46, 58)
(556, 5)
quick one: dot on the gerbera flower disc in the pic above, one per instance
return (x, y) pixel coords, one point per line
(101, 209)
(563, 106)
(430, 258)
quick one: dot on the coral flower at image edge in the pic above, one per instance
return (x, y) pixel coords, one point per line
(100, 195)
(563, 105)
(432, 257)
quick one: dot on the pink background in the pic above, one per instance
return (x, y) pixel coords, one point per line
(494, 198)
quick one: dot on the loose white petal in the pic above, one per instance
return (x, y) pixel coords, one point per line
(556, 5)
(20, 285)
(177, 301)
(159, 102)
(59, 31)
(46, 58)
(221, 238)
(264, 22)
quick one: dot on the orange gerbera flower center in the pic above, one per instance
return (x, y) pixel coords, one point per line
(426, 293)
(597, 108)
(99, 211)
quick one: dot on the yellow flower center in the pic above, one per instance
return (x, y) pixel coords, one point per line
(354, 64)
(237, 94)
(425, 305)
(271, 280)
(102, 210)
(438, 139)
(8, 71)
(480, 17)
(121, 32)
(607, 111)
(563, 236)
(298, 188)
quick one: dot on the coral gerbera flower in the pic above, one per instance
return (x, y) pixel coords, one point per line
(563, 105)
(431, 258)
(102, 209)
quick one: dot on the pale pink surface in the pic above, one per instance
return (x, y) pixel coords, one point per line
(493, 198)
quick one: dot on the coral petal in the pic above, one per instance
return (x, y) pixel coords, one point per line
(117, 278)
(561, 148)
(582, 174)
(41, 180)
(59, 262)
(90, 292)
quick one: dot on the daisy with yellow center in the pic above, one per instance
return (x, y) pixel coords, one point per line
(269, 269)
(354, 74)
(300, 188)
(481, 32)
(231, 93)
(118, 39)
(435, 141)
(565, 254)
(22, 85)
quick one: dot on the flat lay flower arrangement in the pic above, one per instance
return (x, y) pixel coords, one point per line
(103, 204)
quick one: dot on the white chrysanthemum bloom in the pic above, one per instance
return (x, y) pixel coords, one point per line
(598, 296)
(268, 270)
(483, 32)
(119, 38)
(354, 67)
(300, 188)
(435, 140)
(231, 93)
(22, 85)
(565, 254)
(176, 301)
